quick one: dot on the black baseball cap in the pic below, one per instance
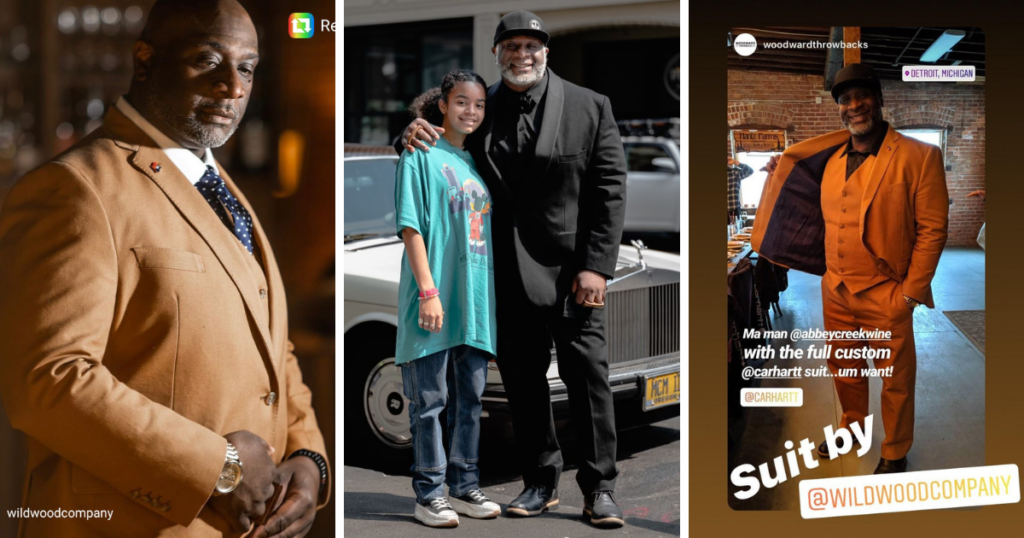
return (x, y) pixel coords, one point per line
(855, 75)
(520, 23)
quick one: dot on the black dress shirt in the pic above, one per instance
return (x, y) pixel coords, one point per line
(516, 125)
(856, 158)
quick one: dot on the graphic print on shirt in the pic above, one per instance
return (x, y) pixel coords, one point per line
(469, 197)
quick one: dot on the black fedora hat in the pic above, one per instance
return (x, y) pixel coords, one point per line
(520, 23)
(855, 75)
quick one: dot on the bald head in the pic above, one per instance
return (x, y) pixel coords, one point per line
(194, 69)
(171, 20)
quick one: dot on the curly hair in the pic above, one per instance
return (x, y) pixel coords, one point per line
(425, 106)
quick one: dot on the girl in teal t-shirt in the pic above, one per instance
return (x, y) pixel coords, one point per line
(447, 329)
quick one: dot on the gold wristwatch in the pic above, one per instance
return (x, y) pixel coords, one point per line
(231, 474)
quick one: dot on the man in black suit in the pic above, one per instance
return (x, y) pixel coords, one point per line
(551, 155)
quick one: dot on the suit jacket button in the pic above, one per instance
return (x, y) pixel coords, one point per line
(270, 398)
(263, 294)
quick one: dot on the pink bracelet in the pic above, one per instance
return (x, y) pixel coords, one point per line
(432, 292)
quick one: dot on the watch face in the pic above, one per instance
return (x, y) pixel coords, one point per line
(229, 478)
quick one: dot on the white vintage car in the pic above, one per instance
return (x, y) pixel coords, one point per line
(642, 325)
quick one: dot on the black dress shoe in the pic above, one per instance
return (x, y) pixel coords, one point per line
(600, 507)
(891, 466)
(823, 447)
(533, 500)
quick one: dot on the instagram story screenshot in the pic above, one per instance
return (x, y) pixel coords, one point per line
(855, 380)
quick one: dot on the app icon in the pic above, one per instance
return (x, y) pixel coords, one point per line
(300, 25)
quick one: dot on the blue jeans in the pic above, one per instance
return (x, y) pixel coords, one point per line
(462, 372)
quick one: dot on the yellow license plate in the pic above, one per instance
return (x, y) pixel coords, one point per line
(661, 390)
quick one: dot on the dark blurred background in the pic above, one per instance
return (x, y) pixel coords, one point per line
(63, 62)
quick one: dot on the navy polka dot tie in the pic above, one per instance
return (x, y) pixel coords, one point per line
(212, 187)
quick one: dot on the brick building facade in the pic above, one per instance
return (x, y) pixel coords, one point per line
(775, 100)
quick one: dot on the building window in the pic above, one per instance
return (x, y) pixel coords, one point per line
(389, 65)
(935, 137)
(754, 148)
(751, 187)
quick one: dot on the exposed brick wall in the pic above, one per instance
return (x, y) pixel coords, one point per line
(763, 99)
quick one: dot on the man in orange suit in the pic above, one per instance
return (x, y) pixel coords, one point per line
(143, 327)
(884, 211)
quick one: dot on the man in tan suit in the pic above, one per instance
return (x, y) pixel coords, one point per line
(884, 210)
(143, 323)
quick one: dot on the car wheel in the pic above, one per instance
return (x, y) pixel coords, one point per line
(377, 411)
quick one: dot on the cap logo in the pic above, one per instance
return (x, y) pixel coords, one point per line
(535, 24)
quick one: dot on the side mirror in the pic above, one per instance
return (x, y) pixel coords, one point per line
(663, 164)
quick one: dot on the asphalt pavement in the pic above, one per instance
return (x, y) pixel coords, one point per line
(378, 505)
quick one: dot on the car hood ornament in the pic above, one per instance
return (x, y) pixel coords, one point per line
(640, 248)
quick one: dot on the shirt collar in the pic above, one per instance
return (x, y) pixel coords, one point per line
(875, 148)
(193, 167)
(535, 92)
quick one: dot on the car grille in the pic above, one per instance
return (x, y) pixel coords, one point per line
(642, 322)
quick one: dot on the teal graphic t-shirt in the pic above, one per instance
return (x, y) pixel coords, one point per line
(440, 194)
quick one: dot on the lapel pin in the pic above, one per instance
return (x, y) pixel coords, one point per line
(155, 167)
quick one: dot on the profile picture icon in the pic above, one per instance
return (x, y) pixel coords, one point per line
(744, 44)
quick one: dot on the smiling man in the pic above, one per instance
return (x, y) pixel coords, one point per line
(551, 155)
(883, 216)
(145, 337)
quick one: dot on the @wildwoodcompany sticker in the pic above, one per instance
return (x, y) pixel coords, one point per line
(905, 492)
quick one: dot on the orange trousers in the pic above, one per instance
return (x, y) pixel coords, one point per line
(879, 307)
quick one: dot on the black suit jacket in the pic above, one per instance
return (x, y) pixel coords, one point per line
(565, 214)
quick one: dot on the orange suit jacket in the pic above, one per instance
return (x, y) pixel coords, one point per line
(904, 213)
(133, 339)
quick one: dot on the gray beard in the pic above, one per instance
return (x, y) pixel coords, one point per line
(191, 129)
(525, 80)
(862, 130)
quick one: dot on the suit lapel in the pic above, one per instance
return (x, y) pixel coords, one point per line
(275, 296)
(544, 153)
(885, 154)
(492, 102)
(194, 209)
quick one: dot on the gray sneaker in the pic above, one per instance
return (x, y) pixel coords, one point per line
(436, 513)
(475, 504)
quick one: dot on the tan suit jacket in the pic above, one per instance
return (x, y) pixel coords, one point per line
(133, 338)
(904, 212)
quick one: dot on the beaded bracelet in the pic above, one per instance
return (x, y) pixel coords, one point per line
(320, 463)
(432, 292)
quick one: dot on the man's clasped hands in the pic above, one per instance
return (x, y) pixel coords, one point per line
(293, 513)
